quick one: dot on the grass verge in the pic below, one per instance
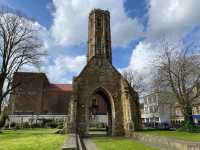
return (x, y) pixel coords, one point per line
(181, 135)
(119, 143)
(31, 139)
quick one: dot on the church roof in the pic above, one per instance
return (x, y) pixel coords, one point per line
(60, 87)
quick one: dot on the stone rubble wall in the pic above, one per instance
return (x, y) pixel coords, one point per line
(166, 143)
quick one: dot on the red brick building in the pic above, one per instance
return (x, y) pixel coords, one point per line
(98, 105)
(36, 95)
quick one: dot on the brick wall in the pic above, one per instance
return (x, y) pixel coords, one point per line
(34, 94)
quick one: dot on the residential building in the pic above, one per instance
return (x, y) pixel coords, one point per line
(157, 107)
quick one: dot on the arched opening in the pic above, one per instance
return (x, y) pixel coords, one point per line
(99, 113)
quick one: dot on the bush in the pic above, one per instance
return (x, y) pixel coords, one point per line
(44, 123)
(193, 129)
(17, 127)
(26, 125)
(7, 126)
(36, 125)
(13, 124)
(51, 124)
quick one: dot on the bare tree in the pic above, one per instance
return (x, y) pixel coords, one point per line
(19, 45)
(135, 80)
(178, 70)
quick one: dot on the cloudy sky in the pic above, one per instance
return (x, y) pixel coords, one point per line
(135, 25)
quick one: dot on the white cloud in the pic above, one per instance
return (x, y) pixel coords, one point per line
(63, 67)
(142, 61)
(169, 18)
(71, 18)
(172, 17)
(141, 58)
(59, 69)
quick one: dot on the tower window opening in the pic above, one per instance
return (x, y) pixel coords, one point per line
(98, 46)
(98, 23)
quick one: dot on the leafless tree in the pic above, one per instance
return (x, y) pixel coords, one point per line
(135, 80)
(178, 70)
(19, 45)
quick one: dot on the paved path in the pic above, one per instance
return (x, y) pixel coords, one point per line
(89, 144)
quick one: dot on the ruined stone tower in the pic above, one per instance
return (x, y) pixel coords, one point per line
(99, 77)
(99, 35)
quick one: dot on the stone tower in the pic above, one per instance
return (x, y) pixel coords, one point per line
(99, 77)
(99, 36)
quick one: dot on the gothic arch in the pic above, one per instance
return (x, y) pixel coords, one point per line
(110, 105)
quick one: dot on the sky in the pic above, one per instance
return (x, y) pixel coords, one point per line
(135, 26)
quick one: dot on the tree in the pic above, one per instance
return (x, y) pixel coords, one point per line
(19, 45)
(178, 70)
(135, 80)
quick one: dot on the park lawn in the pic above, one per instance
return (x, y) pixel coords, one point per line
(119, 143)
(180, 135)
(31, 139)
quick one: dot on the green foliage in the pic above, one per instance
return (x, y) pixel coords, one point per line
(12, 124)
(191, 128)
(97, 125)
(31, 139)
(26, 125)
(17, 126)
(42, 123)
(51, 124)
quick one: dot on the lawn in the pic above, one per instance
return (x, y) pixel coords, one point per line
(181, 135)
(31, 139)
(116, 143)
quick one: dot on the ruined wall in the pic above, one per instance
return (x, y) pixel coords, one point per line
(100, 74)
(131, 107)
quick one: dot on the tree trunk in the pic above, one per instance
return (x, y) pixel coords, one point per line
(3, 118)
(188, 119)
(1, 96)
(3, 112)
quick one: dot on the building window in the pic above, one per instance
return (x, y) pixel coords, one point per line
(151, 109)
(98, 23)
(198, 109)
(157, 119)
(98, 45)
(145, 101)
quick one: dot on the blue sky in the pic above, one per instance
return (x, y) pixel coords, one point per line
(134, 24)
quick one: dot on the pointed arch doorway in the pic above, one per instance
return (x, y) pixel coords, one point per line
(100, 112)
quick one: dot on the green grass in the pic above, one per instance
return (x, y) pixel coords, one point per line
(116, 143)
(181, 135)
(31, 139)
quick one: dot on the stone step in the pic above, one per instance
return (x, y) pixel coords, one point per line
(89, 144)
(70, 143)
